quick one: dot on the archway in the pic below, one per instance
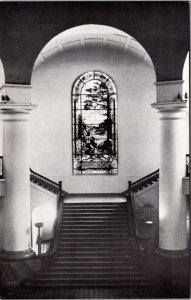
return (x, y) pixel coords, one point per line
(93, 36)
(60, 63)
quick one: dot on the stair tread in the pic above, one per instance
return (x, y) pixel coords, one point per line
(95, 248)
(128, 274)
(93, 209)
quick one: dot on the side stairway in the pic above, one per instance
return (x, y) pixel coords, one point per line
(96, 248)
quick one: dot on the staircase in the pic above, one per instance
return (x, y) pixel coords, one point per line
(96, 249)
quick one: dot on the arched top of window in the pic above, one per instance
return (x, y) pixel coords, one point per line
(94, 124)
(96, 81)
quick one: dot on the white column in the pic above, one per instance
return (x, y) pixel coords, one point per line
(172, 202)
(16, 204)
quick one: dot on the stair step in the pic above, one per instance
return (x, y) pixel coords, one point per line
(57, 282)
(93, 238)
(86, 254)
(93, 209)
(99, 248)
(94, 212)
(74, 264)
(93, 227)
(51, 275)
(98, 204)
(100, 259)
(95, 249)
(93, 235)
(94, 243)
(94, 221)
(96, 217)
(93, 269)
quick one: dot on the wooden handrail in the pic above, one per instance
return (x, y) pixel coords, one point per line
(43, 178)
(187, 165)
(143, 182)
(46, 183)
(1, 169)
(54, 241)
(57, 189)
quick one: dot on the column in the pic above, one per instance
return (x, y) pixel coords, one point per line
(16, 203)
(172, 202)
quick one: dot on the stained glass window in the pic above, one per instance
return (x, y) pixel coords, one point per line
(94, 124)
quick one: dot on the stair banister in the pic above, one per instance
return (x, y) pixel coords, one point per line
(187, 165)
(34, 175)
(141, 183)
(39, 238)
(57, 189)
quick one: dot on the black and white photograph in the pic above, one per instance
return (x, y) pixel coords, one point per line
(94, 150)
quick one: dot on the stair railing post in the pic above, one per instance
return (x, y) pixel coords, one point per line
(60, 185)
(187, 165)
(39, 238)
(129, 186)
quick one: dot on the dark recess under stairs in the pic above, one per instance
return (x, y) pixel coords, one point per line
(96, 248)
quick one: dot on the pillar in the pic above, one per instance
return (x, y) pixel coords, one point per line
(172, 202)
(16, 203)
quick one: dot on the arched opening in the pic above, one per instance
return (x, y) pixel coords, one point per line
(92, 35)
(60, 63)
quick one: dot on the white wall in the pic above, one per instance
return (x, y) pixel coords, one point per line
(51, 130)
(43, 209)
(148, 196)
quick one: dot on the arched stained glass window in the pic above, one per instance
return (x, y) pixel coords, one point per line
(94, 124)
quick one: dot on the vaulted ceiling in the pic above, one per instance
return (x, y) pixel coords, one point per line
(87, 36)
(161, 27)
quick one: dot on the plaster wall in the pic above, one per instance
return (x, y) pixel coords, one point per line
(148, 196)
(43, 209)
(51, 125)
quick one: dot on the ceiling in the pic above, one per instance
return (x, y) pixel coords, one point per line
(161, 27)
(93, 36)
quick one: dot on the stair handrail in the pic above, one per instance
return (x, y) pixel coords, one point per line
(138, 238)
(49, 255)
(130, 198)
(61, 194)
(45, 180)
(140, 183)
(54, 243)
(187, 165)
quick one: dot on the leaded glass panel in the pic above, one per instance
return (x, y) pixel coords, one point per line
(94, 117)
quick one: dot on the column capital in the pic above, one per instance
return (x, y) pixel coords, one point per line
(13, 108)
(168, 91)
(173, 106)
(17, 93)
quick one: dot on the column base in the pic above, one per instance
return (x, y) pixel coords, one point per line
(172, 254)
(16, 255)
(174, 268)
